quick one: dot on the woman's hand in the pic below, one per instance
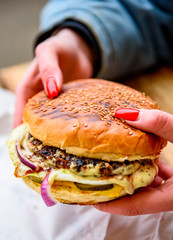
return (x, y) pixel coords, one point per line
(61, 58)
(154, 121)
(158, 197)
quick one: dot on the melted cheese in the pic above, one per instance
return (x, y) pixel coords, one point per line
(128, 183)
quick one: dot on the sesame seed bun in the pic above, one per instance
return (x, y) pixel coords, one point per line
(81, 121)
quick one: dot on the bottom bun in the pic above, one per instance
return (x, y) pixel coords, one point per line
(67, 192)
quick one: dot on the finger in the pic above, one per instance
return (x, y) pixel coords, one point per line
(154, 121)
(157, 182)
(147, 201)
(19, 107)
(165, 171)
(29, 85)
(49, 68)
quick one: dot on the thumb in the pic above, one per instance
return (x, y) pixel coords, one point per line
(154, 121)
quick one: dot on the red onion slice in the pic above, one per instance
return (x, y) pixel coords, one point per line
(46, 192)
(24, 160)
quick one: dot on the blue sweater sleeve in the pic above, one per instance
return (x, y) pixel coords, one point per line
(131, 35)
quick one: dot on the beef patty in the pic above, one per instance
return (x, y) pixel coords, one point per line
(51, 157)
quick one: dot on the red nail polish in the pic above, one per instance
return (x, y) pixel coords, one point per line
(52, 88)
(127, 113)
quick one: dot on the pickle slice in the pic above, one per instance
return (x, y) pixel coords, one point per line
(36, 179)
(88, 187)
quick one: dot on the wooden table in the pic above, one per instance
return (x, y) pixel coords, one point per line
(158, 85)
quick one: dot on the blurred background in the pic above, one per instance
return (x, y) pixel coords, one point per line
(19, 24)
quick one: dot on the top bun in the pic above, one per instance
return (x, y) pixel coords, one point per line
(81, 121)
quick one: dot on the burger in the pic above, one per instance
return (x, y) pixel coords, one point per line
(72, 149)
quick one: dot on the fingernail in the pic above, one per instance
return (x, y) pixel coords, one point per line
(52, 88)
(127, 113)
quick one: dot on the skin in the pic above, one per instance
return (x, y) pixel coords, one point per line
(158, 197)
(63, 57)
